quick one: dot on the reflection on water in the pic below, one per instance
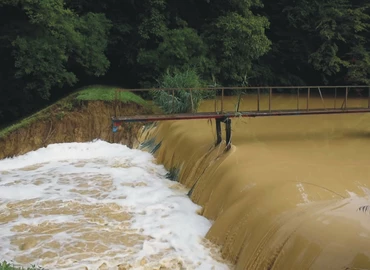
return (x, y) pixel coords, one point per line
(99, 206)
(288, 195)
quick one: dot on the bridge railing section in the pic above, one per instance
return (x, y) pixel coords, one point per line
(259, 98)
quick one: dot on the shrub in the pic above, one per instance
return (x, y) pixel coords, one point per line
(183, 101)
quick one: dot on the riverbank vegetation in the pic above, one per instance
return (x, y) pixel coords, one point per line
(50, 47)
(74, 101)
(7, 266)
(180, 100)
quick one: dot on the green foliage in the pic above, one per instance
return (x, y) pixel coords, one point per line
(47, 47)
(66, 105)
(92, 31)
(223, 43)
(108, 93)
(183, 100)
(180, 47)
(235, 41)
(322, 20)
(52, 40)
(359, 71)
(328, 42)
(7, 266)
(153, 19)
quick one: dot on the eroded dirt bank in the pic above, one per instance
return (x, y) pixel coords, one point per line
(292, 193)
(91, 120)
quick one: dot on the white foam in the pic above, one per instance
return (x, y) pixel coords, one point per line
(65, 189)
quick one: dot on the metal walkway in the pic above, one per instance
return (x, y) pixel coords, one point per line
(212, 115)
(225, 116)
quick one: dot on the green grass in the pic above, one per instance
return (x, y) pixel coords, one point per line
(25, 122)
(7, 266)
(90, 93)
(107, 93)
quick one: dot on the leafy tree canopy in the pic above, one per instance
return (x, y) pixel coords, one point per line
(48, 46)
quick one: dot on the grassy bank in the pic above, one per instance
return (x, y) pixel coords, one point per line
(7, 266)
(108, 93)
(74, 100)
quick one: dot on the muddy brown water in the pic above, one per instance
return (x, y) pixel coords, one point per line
(293, 191)
(99, 206)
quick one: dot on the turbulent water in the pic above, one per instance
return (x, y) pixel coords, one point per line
(292, 193)
(99, 206)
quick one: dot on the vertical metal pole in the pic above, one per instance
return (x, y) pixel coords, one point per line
(258, 99)
(308, 98)
(335, 98)
(345, 102)
(297, 99)
(222, 100)
(368, 100)
(173, 101)
(228, 133)
(218, 131)
(239, 99)
(270, 94)
(322, 99)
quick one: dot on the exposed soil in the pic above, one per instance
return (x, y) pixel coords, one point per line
(90, 120)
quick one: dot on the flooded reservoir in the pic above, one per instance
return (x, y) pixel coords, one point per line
(293, 192)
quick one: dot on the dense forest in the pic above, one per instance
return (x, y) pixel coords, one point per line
(49, 47)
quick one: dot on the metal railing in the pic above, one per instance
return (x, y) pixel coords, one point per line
(340, 94)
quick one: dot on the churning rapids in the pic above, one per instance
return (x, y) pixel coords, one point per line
(99, 206)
